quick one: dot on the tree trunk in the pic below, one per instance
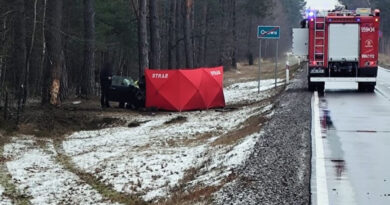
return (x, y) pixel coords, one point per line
(249, 52)
(64, 81)
(155, 40)
(172, 35)
(54, 49)
(142, 39)
(224, 21)
(3, 65)
(134, 8)
(187, 35)
(234, 32)
(43, 52)
(203, 38)
(178, 31)
(20, 50)
(28, 63)
(2, 72)
(193, 34)
(89, 48)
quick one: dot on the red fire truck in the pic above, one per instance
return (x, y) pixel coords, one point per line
(341, 46)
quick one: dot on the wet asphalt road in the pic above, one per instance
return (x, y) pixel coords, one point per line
(357, 143)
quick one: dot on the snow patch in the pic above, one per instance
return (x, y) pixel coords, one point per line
(248, 91)
(225, 160)
(154, 157)
(36, 173)
(240, 153)
(148, 160)
(3, 199)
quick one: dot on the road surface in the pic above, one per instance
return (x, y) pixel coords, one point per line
(356, 145)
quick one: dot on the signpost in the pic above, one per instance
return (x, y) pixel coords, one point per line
(268, 32)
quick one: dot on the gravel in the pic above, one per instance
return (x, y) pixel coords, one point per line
(278, 170)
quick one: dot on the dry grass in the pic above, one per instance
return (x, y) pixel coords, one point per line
(199, 139)
(193, 140)
(54, 123)
(190, 141)
(250, 126)
(245, 72)
(7, 127)
(10, 189)
(176, 120)
(47, 121)
(198, 194)
(106, 191)
(384, 60)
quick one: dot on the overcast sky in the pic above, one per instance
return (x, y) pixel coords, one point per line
(321, 4)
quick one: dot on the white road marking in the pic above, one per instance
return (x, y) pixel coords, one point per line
(322, 187)
(381, 92)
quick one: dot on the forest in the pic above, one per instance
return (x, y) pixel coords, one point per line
(52, 50)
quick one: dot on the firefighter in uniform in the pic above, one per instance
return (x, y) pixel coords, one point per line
(105, 83)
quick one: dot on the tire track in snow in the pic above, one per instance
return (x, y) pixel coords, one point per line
(4, 200)
(101, 187)
(8, 191)
(37, 174)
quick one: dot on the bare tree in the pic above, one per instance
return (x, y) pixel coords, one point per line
(54, 51)
(30, 50)
(224, 31)
(249, 53)
(43, 51)
(187, 35)
(178, 31)
(142, 38)
(203, 41)
(234, 33)
(5, 28)
(89, 48)
(155, 40)
(172, 34)
(20, 50)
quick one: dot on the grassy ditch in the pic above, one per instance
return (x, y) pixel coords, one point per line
(384, 60)
(245, 72)
(106, 191)
(10, 189)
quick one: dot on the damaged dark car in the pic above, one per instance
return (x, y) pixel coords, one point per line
(127, 92)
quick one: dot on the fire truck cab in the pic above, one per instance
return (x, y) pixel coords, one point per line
(340, 46)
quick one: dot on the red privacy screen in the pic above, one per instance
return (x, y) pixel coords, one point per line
(180, 90)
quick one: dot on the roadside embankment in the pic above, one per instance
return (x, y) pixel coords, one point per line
(278, 170)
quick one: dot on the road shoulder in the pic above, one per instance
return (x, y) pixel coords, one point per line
(278, 170)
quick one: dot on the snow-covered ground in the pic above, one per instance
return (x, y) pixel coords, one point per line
(148, 160)
(3, 199)
(248, 92)
(36, 173)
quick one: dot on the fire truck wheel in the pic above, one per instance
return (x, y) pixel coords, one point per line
(366, 87)
(311, 86)
(361, 87)
(320, 87)
(370, 88)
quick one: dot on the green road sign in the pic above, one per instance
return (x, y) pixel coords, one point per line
(268, 32)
